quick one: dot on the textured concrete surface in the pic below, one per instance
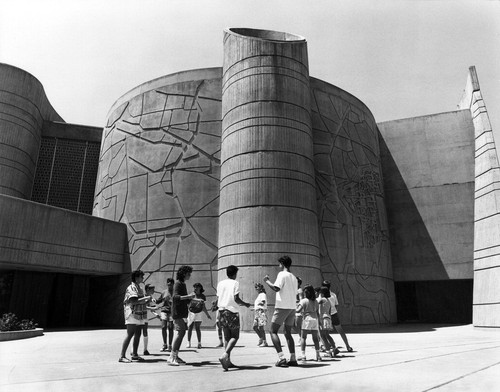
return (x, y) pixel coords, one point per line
(23, 108)
(428, 165)
(267, 190)
(38, 237)
(400, 358)
(486, 307)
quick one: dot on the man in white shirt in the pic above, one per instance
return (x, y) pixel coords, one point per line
(228, 301)
(284, 310)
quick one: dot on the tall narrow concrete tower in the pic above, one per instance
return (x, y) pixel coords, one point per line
(486, 300)
(267, 189)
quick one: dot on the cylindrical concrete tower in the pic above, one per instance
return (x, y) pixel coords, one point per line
(23, 108)
(267, 189)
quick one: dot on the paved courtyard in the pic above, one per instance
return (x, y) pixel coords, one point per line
(396, 358)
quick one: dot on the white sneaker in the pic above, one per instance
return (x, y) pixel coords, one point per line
(173, 362)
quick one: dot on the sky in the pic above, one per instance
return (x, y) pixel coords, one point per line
(401, 58)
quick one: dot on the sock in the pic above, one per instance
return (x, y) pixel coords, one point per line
(281, 355)
(146, 343)
(303, 354)
(317, 353)
(292, 357)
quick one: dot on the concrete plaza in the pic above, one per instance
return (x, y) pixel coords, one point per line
(392, 358)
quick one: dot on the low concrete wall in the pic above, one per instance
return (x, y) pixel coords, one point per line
(39, 237)
(15, 335)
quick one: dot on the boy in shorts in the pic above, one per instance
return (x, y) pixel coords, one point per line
(284, 310)
(228, 299)
(167, 323)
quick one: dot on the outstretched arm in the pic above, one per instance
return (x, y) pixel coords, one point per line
(271, 286)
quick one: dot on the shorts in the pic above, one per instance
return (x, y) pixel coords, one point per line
(260, 318)
(284, 316)
(180, 324)
(309, 324)
(229, 319)
(335, 319)
(326, 323)
(133, 321)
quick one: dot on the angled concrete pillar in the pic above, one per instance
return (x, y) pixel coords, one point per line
(486, 301)
(267, 189)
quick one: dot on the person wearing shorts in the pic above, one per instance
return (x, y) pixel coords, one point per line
(135, 312)
(180, 302)
(167, 322)
(335, 316)
(285, 287)
(228, 301)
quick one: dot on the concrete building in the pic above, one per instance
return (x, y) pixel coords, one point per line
(240, 165)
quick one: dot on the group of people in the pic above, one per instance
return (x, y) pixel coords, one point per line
(310, 311)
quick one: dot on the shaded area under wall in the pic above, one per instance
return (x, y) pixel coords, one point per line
(56, 300)
(438, 301)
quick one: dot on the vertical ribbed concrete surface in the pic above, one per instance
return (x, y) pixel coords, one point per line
(486, 301)
(267, 189)
(23, 108)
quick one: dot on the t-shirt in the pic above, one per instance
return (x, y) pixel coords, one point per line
(226, 290)
(261, 297)
(139, 310)
(309, 308)
(179, 307)
(166, 298)
(334, 301)
(287, 283)
(325, 307)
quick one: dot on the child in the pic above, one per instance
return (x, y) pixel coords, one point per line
(167, 323)
(215, 309)
(260, 318)
(194, 319)
(326, 322)
(310, 316)
(335, 316)
(150, 305)
(298, 315)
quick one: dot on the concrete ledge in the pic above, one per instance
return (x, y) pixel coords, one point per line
(14, 335)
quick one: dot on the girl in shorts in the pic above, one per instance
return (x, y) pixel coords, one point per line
(309, 308)
(194, 319)
(260, 314)
(326, 326)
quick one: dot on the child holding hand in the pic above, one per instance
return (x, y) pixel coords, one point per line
(309, 308)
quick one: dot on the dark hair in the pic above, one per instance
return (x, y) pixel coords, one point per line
(309, 292)
(231, 270)
(325, 292)
(260, 287)
(183, 271)
(326, 283)
(170, 280)
(286, 261)
(136, 274)
(299, 281)
(200, 286)
(149, 287)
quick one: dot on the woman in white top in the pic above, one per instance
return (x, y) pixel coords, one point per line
(260, 314)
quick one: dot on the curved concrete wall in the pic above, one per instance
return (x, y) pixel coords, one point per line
(23, 108)
(267, 190)
(354, 236)
(159, 174)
